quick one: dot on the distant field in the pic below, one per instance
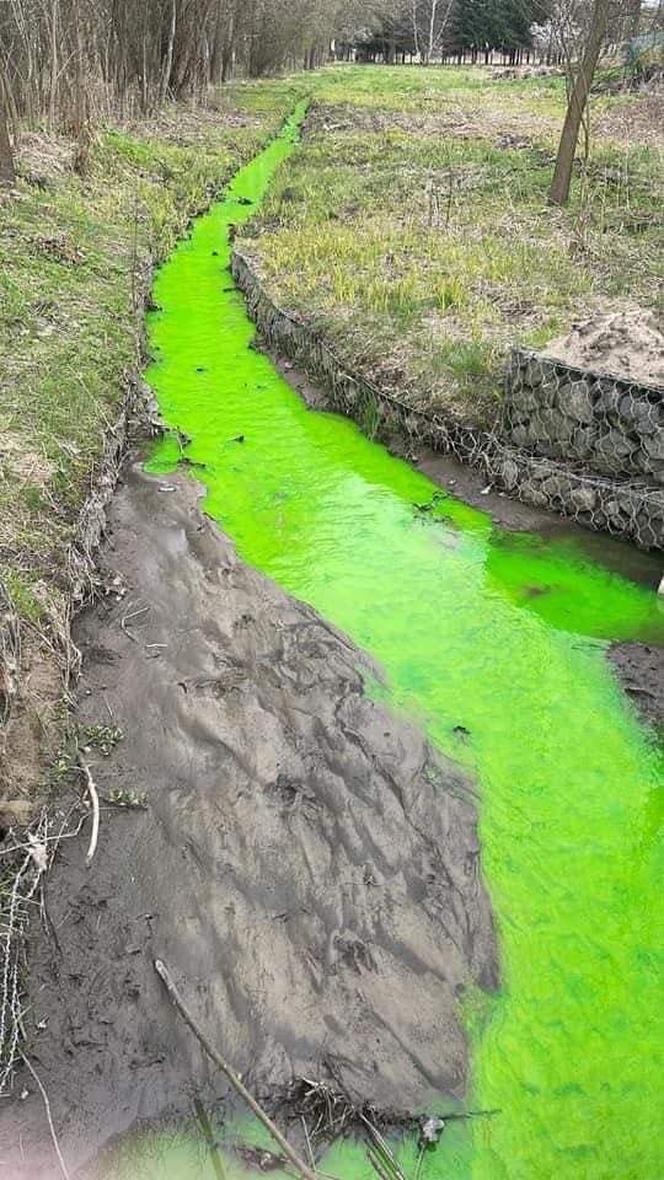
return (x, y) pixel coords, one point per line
(412, 227)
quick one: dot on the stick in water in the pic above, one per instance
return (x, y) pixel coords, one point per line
(164, 974)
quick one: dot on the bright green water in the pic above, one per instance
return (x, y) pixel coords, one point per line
(499, 633)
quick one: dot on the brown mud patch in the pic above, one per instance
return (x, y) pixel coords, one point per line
(306, 865)
(627, 342)
(641, 671)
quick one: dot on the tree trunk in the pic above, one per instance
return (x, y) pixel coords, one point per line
(7, 173)
(562, 176)
(168, 64)
(54, 64)
(633, 19)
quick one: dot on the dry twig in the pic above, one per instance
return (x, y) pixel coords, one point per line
(301, 1168)
(94, 799)
(47, 1107)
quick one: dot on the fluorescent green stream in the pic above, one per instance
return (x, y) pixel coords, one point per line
(501, 634)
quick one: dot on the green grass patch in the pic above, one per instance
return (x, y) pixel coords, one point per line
(77, 253)
(413, 228)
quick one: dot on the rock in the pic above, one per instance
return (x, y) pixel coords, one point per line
(575, 400)
(509, 474)
(15, 811)
(533, 374)
(532, 495)
(553, 427)
(614, 451)
(640, 415)
(557, 487)
(654, 446)
(583, 442)
(582, 497)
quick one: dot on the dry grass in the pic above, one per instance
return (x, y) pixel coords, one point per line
(413, 227)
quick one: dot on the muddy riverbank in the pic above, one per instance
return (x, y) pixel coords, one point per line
(306, 864)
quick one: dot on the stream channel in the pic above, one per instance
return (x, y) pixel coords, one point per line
(494, 643)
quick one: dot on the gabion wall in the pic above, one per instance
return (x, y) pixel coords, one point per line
(626, 507)
(613, 427)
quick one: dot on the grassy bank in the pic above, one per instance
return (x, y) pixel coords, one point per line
(412, 228)
(77, 254)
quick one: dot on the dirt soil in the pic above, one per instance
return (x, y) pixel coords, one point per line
(641, 670)
(306, 865)
(627, 343)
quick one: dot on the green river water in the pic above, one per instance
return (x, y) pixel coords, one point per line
(503, 634)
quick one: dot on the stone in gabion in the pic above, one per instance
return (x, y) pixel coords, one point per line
(639, 415)
(532, 495)
(557, 487)
(509, 474)
(582, 498)
(556, 427)
(583, 442)
(533, 375)
(608, 397)
(613, 448)
(654, 445)
(575, 400)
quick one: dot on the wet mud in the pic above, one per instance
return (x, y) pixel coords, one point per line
(306, 864)
(641, 671)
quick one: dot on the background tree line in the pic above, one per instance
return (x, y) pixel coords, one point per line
(479, 30)
(73, 61)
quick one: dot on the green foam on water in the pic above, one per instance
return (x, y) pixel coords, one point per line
(502, 634)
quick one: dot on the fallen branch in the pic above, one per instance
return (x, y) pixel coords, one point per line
(94, 799)
(49, 1117)
(301, 1168)
(135, 614)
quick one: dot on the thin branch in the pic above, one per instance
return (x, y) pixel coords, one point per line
(164, 974)
(47, 1106)
(94, 799)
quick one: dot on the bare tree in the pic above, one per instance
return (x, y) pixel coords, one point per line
(7, 174)
(577, 103)
(430, 19)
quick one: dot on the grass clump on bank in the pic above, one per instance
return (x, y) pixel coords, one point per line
(412, 228)
(77, 253)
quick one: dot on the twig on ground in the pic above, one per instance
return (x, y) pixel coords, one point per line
(302, 1169)
(381, 1155)
(94, 798)
(307, 1140)
(135, 614)
(47, 1107)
